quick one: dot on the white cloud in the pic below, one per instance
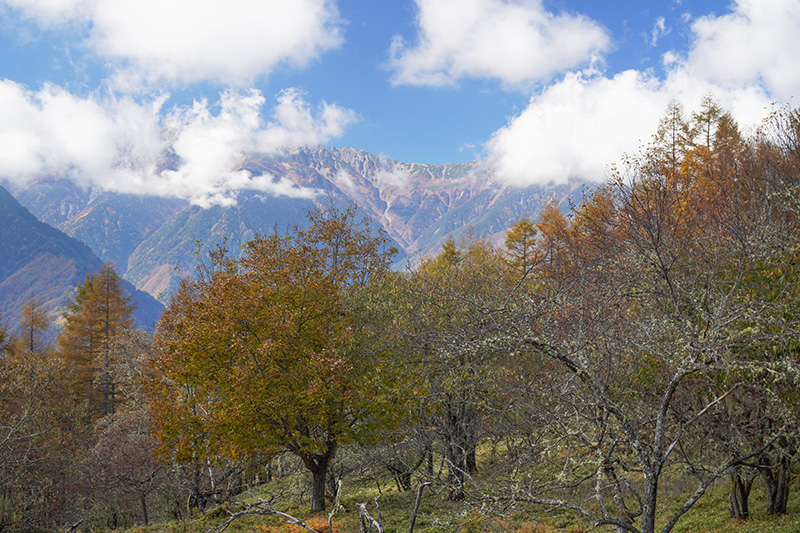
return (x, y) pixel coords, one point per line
(186, 41)
(393, 177)
(516, 41)
(344, 179)
(579, 126)
(576, 127)
(53, 131)
(120, 143)
(758, 42)
(296, 125)
(659, 30)
(53, 12)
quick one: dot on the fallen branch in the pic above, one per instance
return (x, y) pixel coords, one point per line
(263, 508)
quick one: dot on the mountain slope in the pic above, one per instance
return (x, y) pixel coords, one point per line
(111, 224)
(418, 205)
(39, 261)
(154, 241)
(171, 252)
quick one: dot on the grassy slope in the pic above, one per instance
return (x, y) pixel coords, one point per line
(709, 515)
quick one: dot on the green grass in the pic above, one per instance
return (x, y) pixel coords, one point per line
(710, 514)
(437, 513)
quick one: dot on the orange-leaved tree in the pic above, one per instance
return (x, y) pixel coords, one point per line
(261, 354)
(98, 312)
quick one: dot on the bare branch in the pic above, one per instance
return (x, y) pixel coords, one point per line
(263, 508)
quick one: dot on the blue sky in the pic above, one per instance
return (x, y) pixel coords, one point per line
(538, 91)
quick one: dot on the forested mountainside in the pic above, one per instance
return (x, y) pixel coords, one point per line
(153, 241)
(41, 262)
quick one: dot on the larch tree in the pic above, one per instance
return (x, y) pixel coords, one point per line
(97, 313)
(263, 354)
(33, 327)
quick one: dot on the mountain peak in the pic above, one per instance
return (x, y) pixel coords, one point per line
(154, 241)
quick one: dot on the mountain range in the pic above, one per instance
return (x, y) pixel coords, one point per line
(154, 241)
(40, 262)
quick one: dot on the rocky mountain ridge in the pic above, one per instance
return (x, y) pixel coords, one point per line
(154, 241)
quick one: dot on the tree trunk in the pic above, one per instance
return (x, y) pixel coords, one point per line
(235, 483)
(739, 495)
(405, 481)
(416, 507)
(649, 503)
(320, 475)
(197, 500)
(776, 485)
(456, 459)
(623, 513)
(143, 501)
(317, 463)
(402, 479)
(429, 460)
(472, 462)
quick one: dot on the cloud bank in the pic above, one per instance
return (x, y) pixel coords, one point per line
(121, 143)
(758, 43)
(582, 124)
(577, 120)
(187, 41)
(122, 136)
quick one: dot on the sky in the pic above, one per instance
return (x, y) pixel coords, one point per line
(537, 91)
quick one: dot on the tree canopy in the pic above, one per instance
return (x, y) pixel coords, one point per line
(262, 354)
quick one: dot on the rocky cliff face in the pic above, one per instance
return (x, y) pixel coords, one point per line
(153, 241)
(418, 205)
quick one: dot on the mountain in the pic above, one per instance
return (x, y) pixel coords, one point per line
(111, 224)
(154, 241)
(418, 205)
(161, 259)
(39, 261)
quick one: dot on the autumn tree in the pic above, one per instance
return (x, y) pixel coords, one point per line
(97, 313)
(39, 440)
(522, 246)
(707, 234)
(655, 307)
(33, 326)
(442, 313)
(774, 157)
(263, 353)
(121, 471)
